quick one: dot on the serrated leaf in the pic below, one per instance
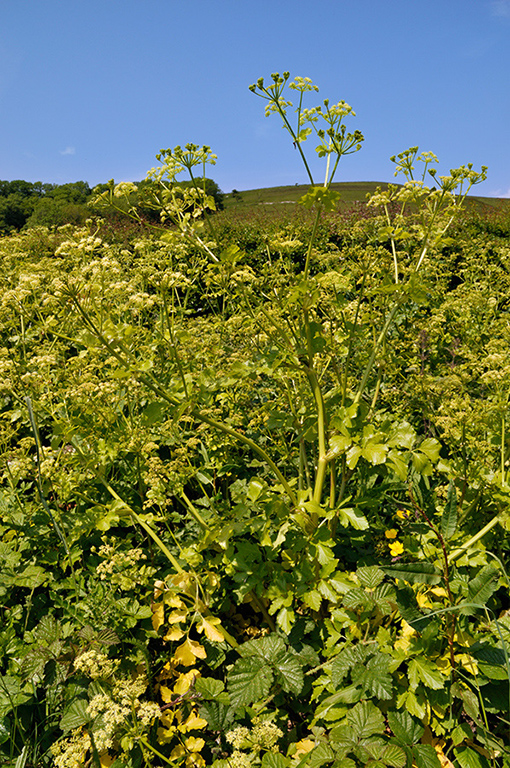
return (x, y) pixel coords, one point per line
(274, 760)
(394, 755)
(75, 716)
(374, 677)
(356, 599)
(370, 576)
(353, 517)
(422, 670)
(449, 516)
(218, 715)
(375, 453)
(318, 756)
(209, 687)
(313, 599)
(409, 610)
(346, 660)
(470, 758)
(366, 720)
(425, 756)
(289, 673)
(406, 729)
(249, 681)
(270, 648)
(414, 573)
(483, 585)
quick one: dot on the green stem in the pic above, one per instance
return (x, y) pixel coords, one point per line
(473, 540)
(149, 382)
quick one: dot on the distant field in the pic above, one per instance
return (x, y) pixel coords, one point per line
(350, 191)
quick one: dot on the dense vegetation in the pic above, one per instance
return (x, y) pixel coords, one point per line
(254, 491)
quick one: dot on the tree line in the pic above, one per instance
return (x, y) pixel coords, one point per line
(25, 204)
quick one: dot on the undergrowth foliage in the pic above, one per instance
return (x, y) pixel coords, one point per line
(254, 495)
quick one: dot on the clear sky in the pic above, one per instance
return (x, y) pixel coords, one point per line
(93, 89)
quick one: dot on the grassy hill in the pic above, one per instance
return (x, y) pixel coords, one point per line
(350, 191)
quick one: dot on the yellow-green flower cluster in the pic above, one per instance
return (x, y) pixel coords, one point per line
(71, 752)
(95, 665)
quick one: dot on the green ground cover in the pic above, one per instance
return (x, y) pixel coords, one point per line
(254, 477)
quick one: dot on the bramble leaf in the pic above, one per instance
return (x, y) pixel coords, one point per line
(249, 681)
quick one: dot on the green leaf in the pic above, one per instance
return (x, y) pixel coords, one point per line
(425, 756)
(271, 648)
(75, 716)
(5, 731)
(406, 729)
(449, 516)
(470, 758)
(274, 760)
(415, 573)
(374, 677)
(365, 720)
(249, 681)
(423, 670)
(431, 448)
(409, 609)
(219, 716)
(328, 198)
(321, 754)
(208, 687)
(12, 694)
(289, 673)
(369, 576)
(483, 585)
(375, 453)
(352, 516)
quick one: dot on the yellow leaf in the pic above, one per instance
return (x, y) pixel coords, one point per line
(177, 752)
(173, 600)
(177, 616)
(304, 746)
(105, 760)
(210, 630)
(439, 591)
(194, 760)
(166, 719)
(158, 615)
(184, 654)
(185, 681)
(166, 694)
(166, 735)
(167, 671)
(194, 744)
(423, 601)
(192, 722)
(159, 588)
(174, 634)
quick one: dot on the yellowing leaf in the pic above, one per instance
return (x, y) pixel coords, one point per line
(106, 760)
(158, 616)
(159, 588)
(174, 634)
(186, 653)
(166, 718)
(439, 591)
(213, 634)
(173, 600)
(192, 722)
(166, 694)
(304, 746)
(176, 616)
(177, 752)
(194, 744)
(185, 681)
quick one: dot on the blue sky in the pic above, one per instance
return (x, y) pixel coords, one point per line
(93, 89)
